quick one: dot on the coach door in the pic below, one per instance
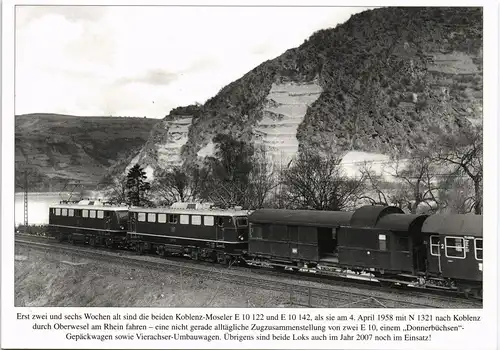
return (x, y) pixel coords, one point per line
(219, 227)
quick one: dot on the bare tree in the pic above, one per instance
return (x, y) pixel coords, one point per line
(377, 191)
(464, 153)
(457, 195)
(117, 190)
(318, 182)
(180, 184)
(262, 179)
(419, 183)
(414, 182)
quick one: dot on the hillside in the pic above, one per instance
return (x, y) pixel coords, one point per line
(388, 81)
(56, 148)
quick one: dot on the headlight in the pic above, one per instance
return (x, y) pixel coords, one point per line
(121, 227)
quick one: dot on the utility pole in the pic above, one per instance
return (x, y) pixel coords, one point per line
(26, 201)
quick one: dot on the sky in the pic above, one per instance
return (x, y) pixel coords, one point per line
(144, 61)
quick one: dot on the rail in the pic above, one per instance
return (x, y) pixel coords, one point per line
(296, 292)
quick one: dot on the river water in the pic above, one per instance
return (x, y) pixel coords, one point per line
(38, 206)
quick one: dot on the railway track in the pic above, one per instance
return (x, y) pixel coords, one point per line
(309, 292)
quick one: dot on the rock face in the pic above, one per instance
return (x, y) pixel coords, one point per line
(387, 81)
(283, 111)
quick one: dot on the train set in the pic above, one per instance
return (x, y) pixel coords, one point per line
(426, 251)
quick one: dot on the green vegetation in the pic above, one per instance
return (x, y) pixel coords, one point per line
(387, 75)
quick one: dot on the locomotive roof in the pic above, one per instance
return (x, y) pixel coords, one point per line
(316, 218)
(86, 206)
(213, 212)
(454, 224)
(369, 215)
(400, 222)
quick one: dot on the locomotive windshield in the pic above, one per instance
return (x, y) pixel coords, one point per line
(242, 222)
(122, 215)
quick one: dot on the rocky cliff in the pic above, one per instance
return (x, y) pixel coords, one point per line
(387, 81)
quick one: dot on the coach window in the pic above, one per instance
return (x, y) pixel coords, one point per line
(454, 247)
(208, 220)
(184, 220)
(151, 217)
(141, 217)
(58, 211)
(478, 248)
(92, 214)
(293, 233)
(196, 220)
(71, 212)
(100, 214)
(78, 212)
(64, 212)
(435, 246)
(404, 244)
(85, 213)
(256, 232)
(382, 242)
(173, 219)
(162, 218)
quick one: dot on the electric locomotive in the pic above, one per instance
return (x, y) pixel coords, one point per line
(193, 229)
(91, 222)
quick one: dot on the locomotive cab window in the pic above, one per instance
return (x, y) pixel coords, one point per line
(100, 214)
(454, 247)
(71, 212)
(184, 220)
(85, 213)
(64, 212)
(151, 217)
(196, 220)
(92, 214)
(58, 211)
(382, 242)
(173, 219)
(208, 220)
(242, 222)
(141, 217)
(435, 246)
(162, 218)
(478, 248)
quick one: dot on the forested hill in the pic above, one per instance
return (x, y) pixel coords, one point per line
(388, 80)
(56, 148)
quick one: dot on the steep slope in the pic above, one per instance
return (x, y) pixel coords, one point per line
(388, 80)
(57, 148)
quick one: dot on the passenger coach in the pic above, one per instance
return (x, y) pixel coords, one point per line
(455, 247)
(190, 229)
(295, 238)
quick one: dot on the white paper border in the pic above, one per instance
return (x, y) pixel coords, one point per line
(485, 339)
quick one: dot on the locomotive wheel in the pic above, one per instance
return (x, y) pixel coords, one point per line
(92, 241)
(109, 243)
(222, 258)
(71, 240)
(139, 248)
